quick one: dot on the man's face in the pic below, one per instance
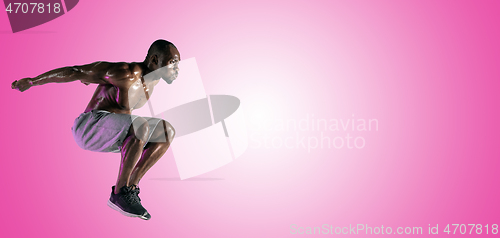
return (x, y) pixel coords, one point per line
(170, 66)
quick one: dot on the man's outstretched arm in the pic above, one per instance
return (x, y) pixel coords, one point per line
(87, 74)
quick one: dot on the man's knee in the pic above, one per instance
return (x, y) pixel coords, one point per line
(140, 128)
(164, 132)
(169, 130)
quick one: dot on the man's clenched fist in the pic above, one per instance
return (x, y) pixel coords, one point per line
(22, 84)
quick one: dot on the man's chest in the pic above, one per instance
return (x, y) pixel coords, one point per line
(138, 89)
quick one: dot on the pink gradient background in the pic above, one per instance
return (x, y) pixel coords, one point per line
(427, 70)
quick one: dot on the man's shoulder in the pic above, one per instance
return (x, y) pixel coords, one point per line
(121, 73)
(113, 65)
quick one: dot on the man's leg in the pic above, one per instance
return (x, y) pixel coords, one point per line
(131, 151)
(160, 142)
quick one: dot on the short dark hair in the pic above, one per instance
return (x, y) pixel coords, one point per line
(160, 47)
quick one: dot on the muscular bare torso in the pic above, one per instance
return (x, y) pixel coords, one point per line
(125, 91)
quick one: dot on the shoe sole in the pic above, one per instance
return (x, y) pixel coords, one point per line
(114, 207)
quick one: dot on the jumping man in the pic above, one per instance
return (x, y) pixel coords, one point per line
(107, 125)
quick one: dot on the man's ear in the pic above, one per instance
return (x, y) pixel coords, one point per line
(154, 60)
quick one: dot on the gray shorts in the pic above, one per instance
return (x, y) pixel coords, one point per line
(104, 131)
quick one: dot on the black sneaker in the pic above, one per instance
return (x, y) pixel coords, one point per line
(128, 203)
